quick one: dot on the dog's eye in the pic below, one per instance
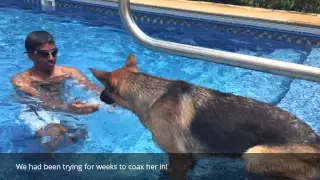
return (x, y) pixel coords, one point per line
(109, 88)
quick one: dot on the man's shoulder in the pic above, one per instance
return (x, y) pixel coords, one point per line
(69, 69)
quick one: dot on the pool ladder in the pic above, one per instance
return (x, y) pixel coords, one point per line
(271, 66)
(48, 5)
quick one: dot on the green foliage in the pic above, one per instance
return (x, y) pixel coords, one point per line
(308, 6)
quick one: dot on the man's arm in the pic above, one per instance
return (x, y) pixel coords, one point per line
(24, 86)
(84, 80)
(49, 102)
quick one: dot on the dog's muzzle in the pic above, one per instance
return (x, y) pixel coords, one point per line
(104, 97)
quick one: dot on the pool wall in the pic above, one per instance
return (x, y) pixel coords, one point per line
(307, 36)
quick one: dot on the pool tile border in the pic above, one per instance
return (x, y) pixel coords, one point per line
(293, 34)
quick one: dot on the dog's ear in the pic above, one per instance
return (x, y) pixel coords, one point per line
(103, 77)
(131, 63)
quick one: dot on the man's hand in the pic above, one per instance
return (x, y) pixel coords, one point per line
(81, 107)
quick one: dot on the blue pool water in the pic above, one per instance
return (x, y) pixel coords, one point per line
(86, 43)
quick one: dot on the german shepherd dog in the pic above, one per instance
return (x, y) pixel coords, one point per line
(187, 120)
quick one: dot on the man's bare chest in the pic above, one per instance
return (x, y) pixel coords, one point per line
(51, 85)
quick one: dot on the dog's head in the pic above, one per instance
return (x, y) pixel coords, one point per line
(112, 81)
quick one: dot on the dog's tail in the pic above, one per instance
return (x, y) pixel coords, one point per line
(289, 161)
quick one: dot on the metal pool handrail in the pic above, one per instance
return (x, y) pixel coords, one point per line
(277, 67)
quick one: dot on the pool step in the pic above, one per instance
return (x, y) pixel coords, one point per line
(303, 98)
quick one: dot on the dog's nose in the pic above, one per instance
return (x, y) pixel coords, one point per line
(106, 98)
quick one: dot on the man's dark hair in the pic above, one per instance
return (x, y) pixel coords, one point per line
(36, 39)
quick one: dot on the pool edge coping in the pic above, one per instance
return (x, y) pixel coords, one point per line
(313, 31)
(261, 14)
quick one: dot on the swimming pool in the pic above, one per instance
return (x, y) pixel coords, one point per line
(91, 40)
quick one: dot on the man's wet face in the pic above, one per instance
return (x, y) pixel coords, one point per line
(45, 56)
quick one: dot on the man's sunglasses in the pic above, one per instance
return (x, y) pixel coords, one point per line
(44, 53)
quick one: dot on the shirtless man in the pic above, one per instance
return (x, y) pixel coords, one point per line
(45, 81)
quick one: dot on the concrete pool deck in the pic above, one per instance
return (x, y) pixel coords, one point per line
(287, 17)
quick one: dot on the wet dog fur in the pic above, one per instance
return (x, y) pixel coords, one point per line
(187, 120)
